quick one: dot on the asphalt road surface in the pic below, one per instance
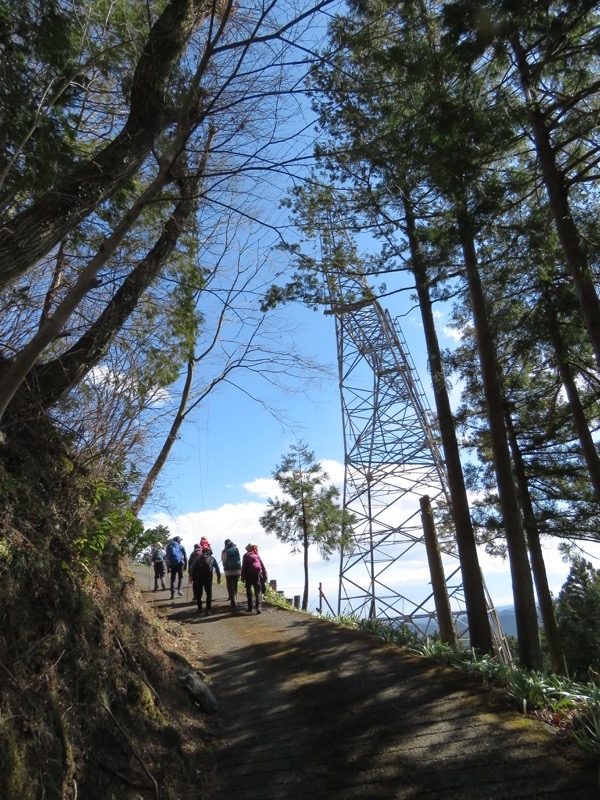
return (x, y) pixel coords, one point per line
(311, 710)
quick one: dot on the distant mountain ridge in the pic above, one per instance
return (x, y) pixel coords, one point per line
(508, 619)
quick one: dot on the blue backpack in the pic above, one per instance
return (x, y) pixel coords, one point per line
(174, 554)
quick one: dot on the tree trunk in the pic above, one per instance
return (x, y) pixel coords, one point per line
(55, 284)
(525, 609)
(54, 378)
(558, 195)
(588, 447)
(25, 239)
(169, 441)
(305, 593)
(475, 601)
(538, 567)
(27, 357)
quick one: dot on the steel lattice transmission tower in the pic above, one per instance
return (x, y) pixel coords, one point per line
(392, 461)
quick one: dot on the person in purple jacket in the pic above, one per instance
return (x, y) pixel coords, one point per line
(254, 575)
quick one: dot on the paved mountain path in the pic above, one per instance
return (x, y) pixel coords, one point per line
(309, 710)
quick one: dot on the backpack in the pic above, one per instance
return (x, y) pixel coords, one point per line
(232, 559)
(157, 555)
(174, 554)
(203, 566)
(254, 563)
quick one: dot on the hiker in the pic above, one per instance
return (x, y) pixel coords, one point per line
(177, 561)
(157, 557)
(254, 575)
(232, 567)
(193, 557)
(205, 544)
(202, 576)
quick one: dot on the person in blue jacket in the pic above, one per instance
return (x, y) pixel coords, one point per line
(177, 561)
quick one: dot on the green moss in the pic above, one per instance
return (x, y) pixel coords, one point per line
(13, 774)
(140, 697)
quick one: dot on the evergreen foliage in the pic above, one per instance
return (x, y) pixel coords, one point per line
(307, 513)
(578, 613)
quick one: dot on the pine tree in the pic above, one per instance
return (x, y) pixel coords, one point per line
(308, 513)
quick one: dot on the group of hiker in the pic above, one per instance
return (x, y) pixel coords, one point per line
(202, 566)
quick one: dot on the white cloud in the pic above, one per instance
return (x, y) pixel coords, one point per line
(262, 487)
(101, 376)
(452, 333)
(335, 470)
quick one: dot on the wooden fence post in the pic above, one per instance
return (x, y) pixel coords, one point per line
(436, 570)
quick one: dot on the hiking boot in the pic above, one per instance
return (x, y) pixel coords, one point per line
(180, 594)
(164, 587)
(258, 611)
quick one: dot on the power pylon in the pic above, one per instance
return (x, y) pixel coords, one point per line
(392, 461)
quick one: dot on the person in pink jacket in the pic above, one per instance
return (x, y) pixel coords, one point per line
(254, 575)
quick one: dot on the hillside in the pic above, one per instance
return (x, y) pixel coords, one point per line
(90, 702)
